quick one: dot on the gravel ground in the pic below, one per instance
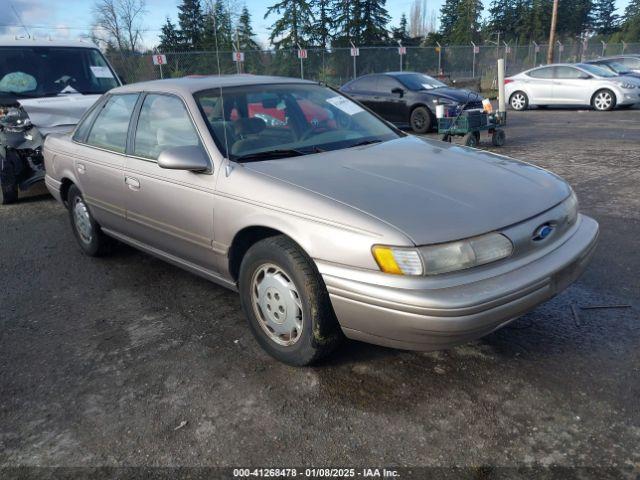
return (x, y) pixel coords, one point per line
(127, 361)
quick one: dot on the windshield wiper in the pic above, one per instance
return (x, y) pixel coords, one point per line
(269, 155)
(364, 142)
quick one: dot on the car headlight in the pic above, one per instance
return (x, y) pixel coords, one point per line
(397, 260)
(472, 252)
(14, 118)
(571, 204)
(627, 86)
(444, 257)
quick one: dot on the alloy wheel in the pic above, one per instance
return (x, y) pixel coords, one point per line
(603, 101)
(518, 101)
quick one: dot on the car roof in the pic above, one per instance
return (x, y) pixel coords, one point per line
(43, 42)
(196, 83)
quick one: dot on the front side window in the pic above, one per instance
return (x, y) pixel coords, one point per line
(163, 123)
(545, 72)
(27, 72)
(386, 84)
(568, 73)
(364, 84)
(110, 128)
(420, 81)
(267, 121)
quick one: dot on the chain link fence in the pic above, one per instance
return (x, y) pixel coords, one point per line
(336, 66)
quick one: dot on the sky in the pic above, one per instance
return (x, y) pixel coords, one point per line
(70, 19)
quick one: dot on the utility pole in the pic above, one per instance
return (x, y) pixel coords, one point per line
(552, 31)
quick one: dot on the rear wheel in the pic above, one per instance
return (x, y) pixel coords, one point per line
(519, 101)
(603, 100)
(498, 138)
(286, 303)
(87, 232)
(420, 120)
(9, 194)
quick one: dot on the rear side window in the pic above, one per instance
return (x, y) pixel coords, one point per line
(365, 84)
(112, 124)
(163, 123)
(545, 72)
(85, 124)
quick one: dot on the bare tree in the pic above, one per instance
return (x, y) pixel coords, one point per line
(119, 23)
(418, 23)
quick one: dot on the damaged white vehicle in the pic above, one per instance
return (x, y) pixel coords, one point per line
(45, 86)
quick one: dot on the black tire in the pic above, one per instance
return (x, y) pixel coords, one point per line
(498, 138)
(603, 100)
(471, 139)
(96, 243)
(9, 194)
(320, 332)
(421, 120)
(446, 138)
(519, 101)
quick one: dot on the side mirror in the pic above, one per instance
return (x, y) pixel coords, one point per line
(398, 91)
(585, 76)
(191, 157)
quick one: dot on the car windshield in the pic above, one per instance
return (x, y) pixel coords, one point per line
(261, 122)
(419, 81)
(617, 67)
(27, 71)
(595, 70)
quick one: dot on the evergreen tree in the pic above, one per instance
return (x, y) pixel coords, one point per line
(295, 24)
(605, 20)
(191, 23)
(217, 22)
(324, 22)
(574, 18)
(245, 31)
(448, 17)
(467, 23)
(169, 38)
(503, 19)
(373, 26)
(401, 31)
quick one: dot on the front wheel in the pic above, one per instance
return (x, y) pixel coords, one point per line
(471, 139)
(88, 233)
(603, 100)
(286, 303)
(420, 120)
(519, 101)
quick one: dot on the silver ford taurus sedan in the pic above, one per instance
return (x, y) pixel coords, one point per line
(327, 220)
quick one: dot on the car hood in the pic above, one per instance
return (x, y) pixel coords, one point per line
(57, 113)
(431, 191)
(458, 95)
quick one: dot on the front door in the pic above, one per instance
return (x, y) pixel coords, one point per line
(570, 85)
(170, 210)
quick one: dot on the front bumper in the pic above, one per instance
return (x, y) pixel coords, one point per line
(425, 313)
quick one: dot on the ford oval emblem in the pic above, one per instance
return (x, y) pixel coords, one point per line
(542, 232)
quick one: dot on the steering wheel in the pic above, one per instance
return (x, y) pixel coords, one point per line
(321, 127)
(343, 120)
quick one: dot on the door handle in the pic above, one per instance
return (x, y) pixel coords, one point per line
(81, 168)
(133, 183)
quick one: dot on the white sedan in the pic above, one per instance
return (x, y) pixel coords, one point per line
(571, 84)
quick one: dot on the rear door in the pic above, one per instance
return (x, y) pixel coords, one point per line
(540, 86)
(101, 142)
(570, 86)
(364, 90)
(170, 210)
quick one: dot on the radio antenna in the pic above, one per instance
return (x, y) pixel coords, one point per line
(20, 19)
